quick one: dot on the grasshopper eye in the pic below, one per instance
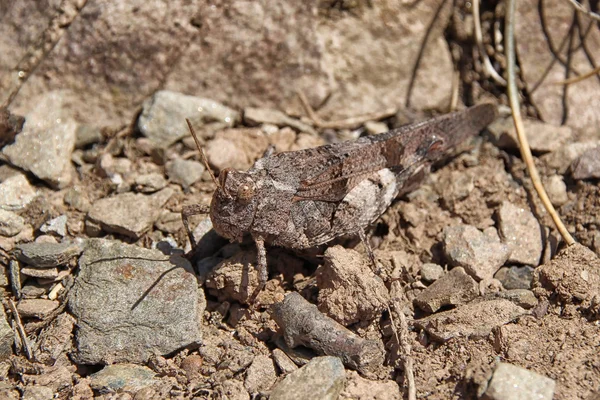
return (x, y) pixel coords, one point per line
(245, 192)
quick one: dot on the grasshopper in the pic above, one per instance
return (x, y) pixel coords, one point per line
(300, 199)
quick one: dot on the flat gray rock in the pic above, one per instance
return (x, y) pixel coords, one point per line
(521, 231)
(47, 255)
(511, 382)
(474, 320)
(184, 172)
(122, 378)
(45, 144)
(132, 302)
(322, 378)
(10, 223)
(163, 116)
(129, 214)
(454, 288)
(481, 254)
(16, 193)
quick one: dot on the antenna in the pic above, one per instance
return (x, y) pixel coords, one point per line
(202, 155)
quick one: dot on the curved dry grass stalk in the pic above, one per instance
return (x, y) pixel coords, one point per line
(579, 7)
(579, 78)
(487, 64)
(513, 94)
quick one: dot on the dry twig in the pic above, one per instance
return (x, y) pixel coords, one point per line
(20, 328)
(523, 143)
(347, 123)
(579, 78)
(579, 7)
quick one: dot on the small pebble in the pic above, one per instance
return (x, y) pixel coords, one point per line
(321, 378)
(47, 273)
(184, 172)
(511, 382)
(257, 116)
(587, 165)
(375, 128)
(122, 378)
(431, 272)
(284, 363)
(521, 231)
(56, 225)
(10, 223)
(163, 116)
(87, 135)
(515, 277)
(150, 183)
(192, 365)
(557, 190)
(39, 308)
(481, 254)
(16, 193)
(260, 375)
(453, 288)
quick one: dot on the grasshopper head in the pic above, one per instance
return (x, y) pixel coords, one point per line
(233, 204)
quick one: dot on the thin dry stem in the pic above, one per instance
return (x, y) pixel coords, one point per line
(518, 121)
(347, 123)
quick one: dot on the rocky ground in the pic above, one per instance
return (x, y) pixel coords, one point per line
(473, 291)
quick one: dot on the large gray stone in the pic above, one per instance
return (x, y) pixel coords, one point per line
(132, 302)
